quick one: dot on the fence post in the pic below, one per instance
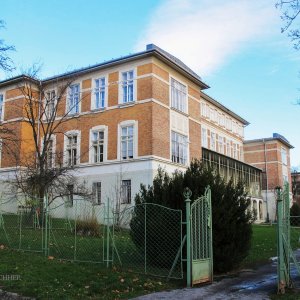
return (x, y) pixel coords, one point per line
(46, 224)
(281, 282)
(107, 235)
(187, 194)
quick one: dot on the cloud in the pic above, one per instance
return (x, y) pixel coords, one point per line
(205, 34)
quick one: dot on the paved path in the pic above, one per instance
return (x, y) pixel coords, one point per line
(251, 284)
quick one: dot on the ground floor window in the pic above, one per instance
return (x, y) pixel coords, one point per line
(126, 192)
(179, 148)
(96, 192)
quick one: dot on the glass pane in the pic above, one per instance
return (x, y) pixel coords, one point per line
(130, 130)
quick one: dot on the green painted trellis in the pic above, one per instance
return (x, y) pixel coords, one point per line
(285, 253)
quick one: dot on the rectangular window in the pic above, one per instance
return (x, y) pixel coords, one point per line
(240, 131)
(213, 141)
(178, 95)
(228, 149)
(50, 104)
(221, 145)
(100, 92)
(74, 95)
(50, 154)
(96, 192)
(222, 120)
(235, 151)
(127, 142)
(72, 150)
(211, 114)
(228, 124)
(126, 192)
(70, 195)
(203, 109)
(179, 148)
(283, 156)
(98, 146)
(1, 105)
(204, 137)
(127, 86)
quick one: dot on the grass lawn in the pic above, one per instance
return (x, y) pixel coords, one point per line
(264, 244)
(54, 278)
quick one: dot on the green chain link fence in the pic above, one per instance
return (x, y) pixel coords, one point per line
(148, 240)
(145, 238)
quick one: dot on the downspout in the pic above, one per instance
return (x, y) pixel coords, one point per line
(267, 181)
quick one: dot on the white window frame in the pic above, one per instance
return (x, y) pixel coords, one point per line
(221, 144)
(68, 111)
(45, 117)
(91, 152)
(213, 142)
(203, 109)
(2, 107)
(234, 147)
(66, 135)
(185, 156)
(228, 123)
(183, 107)
(95, 192)
(228, 148)
(123, 185)
(53, 139)
(222, 120)
(1, 148)
(204, 137)
(93, 102)
(284, 159)
(128, 123)
(121, 93)
(69, 202)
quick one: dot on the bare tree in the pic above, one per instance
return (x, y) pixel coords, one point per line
(41, 170)
(6, 64)
(290, 12)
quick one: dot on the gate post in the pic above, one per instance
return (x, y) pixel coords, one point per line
(187, 194)
(281, 280)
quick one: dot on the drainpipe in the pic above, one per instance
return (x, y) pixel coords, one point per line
(267, 183)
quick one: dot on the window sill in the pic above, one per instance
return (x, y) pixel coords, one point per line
(179, 111)
(74, 115)
(101, 109)
(126, 104)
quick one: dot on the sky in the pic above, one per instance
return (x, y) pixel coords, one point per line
(235, 46)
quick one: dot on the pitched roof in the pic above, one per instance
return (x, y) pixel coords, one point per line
(151, 50)
(276, 136)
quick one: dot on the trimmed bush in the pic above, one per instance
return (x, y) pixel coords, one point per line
(230, 215)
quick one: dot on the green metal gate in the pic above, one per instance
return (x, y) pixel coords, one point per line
(199, 239)
(284, 245)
